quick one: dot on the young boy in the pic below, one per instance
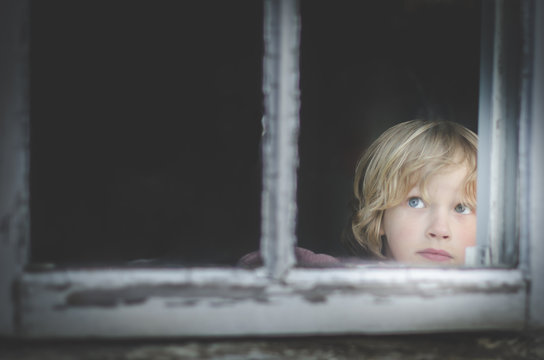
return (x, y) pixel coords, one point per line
(415, 195)
(415, 191)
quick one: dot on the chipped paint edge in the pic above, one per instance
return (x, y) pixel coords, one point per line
(188, 303)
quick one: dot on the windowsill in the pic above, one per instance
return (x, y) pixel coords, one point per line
(223, 302)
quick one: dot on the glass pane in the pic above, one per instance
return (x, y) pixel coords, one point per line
(366, 66)
(146, 125)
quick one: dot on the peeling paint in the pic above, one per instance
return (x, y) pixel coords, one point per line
(279, 143)
(192, 295)
(133, 295)
(121, 302)
(319, 294)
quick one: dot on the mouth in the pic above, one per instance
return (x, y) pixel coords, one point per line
(435, 255)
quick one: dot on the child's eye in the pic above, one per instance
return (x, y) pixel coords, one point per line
(415, 202)
(462, 209)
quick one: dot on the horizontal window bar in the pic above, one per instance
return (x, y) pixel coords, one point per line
(217, 302)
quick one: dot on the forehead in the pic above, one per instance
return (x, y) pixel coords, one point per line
(450, 181)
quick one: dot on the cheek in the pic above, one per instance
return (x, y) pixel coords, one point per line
(467, 232)
(398, 223)
(401, 232)
(471, 234)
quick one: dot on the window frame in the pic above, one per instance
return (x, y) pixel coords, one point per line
(219, 302)
(277, 299)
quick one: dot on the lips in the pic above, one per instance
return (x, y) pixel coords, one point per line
(435, 255)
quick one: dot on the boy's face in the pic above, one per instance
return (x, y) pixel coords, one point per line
(432, 232)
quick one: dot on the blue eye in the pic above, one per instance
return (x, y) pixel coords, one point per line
(416, 202)
(462, 209)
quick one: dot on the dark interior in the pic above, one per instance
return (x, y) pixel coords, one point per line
(146, 124)
(365, 66)
(146, 118)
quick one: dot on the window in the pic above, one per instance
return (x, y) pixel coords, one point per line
(279, 299)
(364, 67)
(145, 132)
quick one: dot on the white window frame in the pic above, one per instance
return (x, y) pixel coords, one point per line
(279, 299)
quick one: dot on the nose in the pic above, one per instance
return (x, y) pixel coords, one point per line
(439, 228)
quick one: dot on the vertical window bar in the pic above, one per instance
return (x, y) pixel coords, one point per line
(498, 129)
(535, 175)
(280, 134)
(14, 154)
(525, 143)
(484, 132)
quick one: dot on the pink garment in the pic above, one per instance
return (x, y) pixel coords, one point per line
(305, 258)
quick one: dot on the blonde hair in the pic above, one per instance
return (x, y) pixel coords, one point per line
(406, 155)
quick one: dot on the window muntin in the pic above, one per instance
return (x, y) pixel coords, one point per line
(129, 219)
(503, 65)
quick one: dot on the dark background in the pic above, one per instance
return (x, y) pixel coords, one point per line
(146, 118)
(146, 123)
(365, 66)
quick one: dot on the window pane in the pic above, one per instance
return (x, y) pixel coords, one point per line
(146, 125)
(365, 66)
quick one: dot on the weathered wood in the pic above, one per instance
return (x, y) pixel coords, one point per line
(465, 346)
(535, 176)
(14, 153)
(498, 131)
(212, 302)
(270, 301)
(280, 134)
